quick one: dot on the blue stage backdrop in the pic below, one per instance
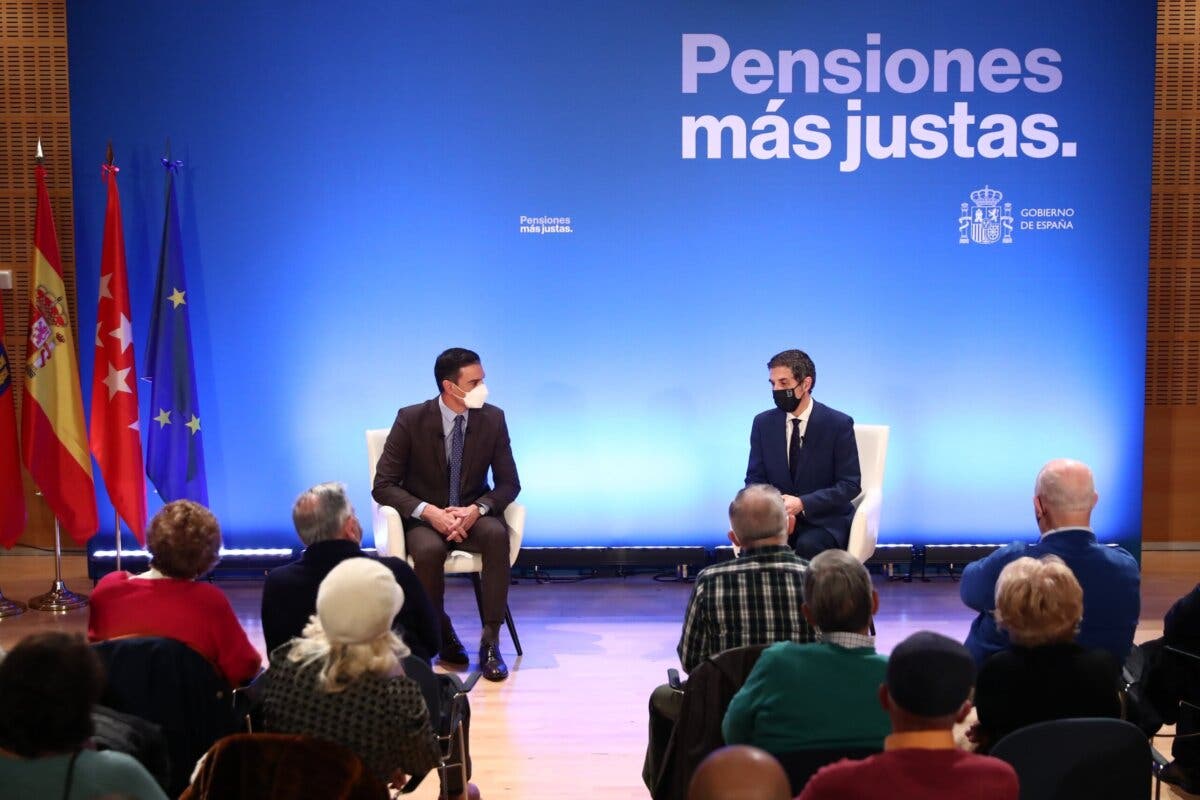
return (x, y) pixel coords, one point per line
(627, 208)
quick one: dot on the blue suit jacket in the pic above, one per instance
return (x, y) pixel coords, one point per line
(828, 477)
(1111, 585)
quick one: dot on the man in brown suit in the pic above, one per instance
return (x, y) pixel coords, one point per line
(434, 471)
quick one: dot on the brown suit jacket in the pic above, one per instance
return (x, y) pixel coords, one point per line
(413, 466)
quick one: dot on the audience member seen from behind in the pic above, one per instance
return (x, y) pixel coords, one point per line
(343, 680)
(754, 599)
(1170, 677)
(739, 772)
(1045, 674)
(928, 690)
(819, 695)
(184, 541)
(48, 686)
(1064, 496)
(327, 525)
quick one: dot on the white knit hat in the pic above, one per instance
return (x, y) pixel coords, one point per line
(357, 601)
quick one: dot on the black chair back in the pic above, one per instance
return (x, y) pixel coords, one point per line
(697, 732)
(800, 765)
(1079, 759)
(166, 682)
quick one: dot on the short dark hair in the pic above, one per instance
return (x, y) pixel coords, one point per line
(930, 675)
(184, 540)
(798, 361)
(450, 363)
(48, 685)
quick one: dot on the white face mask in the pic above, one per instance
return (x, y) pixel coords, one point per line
(476, 397)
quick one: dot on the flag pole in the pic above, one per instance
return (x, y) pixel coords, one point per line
(117, 528)
(60, 599)
(108, 159)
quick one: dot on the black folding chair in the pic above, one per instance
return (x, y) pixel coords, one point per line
(1079, 759)
(449, 714)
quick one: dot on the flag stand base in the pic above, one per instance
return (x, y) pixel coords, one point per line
(59, 600)
(10, 608)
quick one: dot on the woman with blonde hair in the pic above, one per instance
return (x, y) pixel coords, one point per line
(1044, 674)
(343, 679)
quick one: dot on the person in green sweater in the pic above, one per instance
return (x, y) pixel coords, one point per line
(48, 685)
(820, 695)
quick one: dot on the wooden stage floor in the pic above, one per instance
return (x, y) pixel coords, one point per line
(570, 722)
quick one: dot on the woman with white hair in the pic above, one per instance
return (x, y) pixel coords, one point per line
(1045, 674)
(343, 681)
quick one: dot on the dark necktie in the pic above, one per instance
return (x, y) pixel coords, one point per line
(794, 447)
(456, 451)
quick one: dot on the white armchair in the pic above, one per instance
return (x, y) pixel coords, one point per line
(389, 534)
(872, 454)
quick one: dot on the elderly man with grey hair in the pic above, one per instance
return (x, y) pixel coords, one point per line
(754, 599)
(331, 533)
(819, 695)
(1063, 499)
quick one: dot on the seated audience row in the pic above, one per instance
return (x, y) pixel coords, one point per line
(803, 696)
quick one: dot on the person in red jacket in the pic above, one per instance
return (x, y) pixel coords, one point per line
(184, 541)
(927, 692)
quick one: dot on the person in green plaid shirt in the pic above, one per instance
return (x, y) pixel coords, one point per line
(753, 599)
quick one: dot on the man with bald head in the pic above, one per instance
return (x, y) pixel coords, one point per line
(739, 772)
(1063, 499)
(754, 599)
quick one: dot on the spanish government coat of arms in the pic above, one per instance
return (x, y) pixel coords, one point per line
(982, 221)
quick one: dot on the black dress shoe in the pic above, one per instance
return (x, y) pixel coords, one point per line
(491, 663)
(452, 653)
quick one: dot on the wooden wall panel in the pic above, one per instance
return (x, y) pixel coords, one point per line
(1171, 468)
(34, 85)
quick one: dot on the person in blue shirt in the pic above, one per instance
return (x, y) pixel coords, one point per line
(1064, 496)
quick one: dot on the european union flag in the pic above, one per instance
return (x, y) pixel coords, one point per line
(175, 449)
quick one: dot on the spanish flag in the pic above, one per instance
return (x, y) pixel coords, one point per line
(54, 440)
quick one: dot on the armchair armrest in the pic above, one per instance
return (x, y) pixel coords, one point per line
(389, 532)
(514, 518)
(864, 528)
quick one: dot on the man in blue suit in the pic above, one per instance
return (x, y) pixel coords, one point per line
(807, 451)
(1064, 496)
